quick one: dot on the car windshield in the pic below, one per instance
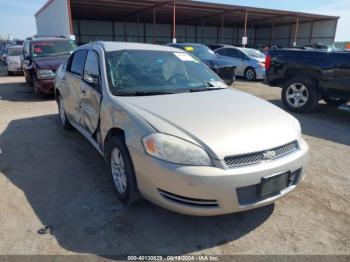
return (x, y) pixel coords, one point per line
(254, 53)
(138, 72)
(201, 51)
(14, 52)
(53, 48)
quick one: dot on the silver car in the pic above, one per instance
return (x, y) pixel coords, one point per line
(13, 59)
(173, 132)
(250, 62)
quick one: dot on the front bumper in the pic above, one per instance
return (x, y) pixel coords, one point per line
(260, 73)
(14, 68)
(46, 86)
(207, 191)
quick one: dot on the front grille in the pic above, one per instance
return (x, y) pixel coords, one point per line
(188, 201)
(259, 157)
(250, 194)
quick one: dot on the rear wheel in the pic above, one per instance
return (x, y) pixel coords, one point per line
(336, 102)
(299, 94)
(9, 73)
(250, 74)
(122, 170)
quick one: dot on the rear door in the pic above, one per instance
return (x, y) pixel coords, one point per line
(91, 94)
(342, 73)
(73, 79)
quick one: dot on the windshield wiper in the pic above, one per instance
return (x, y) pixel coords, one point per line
(146, 93)
(193, 90)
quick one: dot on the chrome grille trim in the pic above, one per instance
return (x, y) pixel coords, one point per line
(188, 201)
(258, 157)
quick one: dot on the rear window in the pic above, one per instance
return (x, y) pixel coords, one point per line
(14, 52)
(52, 48)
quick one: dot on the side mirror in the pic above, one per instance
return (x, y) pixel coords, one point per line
(91, 79)
(25, 62)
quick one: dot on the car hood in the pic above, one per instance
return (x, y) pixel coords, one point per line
(224, 122)
(218, 62)
(49, 62)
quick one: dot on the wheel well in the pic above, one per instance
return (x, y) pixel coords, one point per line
(57, 94)
(248, 67)
(310, 73)
(112, 133)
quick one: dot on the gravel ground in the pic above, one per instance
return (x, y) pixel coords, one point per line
(49, 176)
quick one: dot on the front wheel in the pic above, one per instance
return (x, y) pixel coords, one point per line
(250, 74)
(122, 171)
(299, 94)
(62, 115)
(336, 102)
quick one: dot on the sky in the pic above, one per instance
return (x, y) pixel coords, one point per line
(17, 16)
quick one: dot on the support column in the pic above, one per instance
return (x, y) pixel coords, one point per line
(138, 28)
(272, 32)
(202, 29)
(154, 38)
(245, 24)
(113, 31)
(222, 28)
(174, 22)
(296, 32)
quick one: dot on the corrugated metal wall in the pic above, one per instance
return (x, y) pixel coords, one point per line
(308, 33)
(88, 30)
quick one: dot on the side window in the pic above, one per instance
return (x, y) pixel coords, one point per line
(78, 61)
(26, 51)
(224, 52)
(92, 70)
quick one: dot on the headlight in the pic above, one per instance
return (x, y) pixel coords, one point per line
(45, 74)
(175, 150)
(297, 127)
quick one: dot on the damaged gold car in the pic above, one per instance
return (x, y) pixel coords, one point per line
(172, 131)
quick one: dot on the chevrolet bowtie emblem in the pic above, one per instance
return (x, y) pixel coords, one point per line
(268, 155)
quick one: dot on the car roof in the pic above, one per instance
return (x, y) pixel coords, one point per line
(116, 46)
(188, 44)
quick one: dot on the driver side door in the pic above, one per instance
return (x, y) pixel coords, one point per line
(91, 93)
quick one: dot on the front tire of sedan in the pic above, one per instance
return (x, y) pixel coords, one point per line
(299, 94)
(62, 115)
(122, 171)
(250, 74)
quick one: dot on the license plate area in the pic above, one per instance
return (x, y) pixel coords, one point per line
(273, 185)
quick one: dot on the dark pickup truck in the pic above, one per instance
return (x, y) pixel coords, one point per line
(307, 76)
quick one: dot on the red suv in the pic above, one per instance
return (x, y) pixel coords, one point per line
(41, 57)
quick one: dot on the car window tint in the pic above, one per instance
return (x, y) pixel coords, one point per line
(224, 51)
(77, 65)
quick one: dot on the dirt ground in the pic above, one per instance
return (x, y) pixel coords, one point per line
(49, 176)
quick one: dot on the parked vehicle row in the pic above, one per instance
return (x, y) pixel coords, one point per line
(41, 58)
(307, 76)
(13, 59)
(172, 131)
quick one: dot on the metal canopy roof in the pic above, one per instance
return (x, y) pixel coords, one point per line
(187, 12)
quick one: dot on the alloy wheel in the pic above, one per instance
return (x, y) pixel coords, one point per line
(297, 95)
(61, 112)
(118, 171)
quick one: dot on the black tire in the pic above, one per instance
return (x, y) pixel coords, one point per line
(62, 115)
(37, 91)
(333, 101)
(250, 74)
(310, 103)
(131, 193)
(9, 73)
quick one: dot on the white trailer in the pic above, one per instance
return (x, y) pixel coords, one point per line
(54, 19)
